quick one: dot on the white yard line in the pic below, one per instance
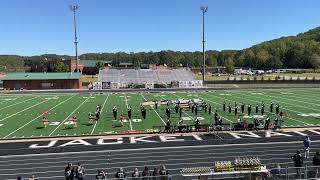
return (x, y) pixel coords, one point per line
(95, 124)
(125, 97)
(37, 117)
(68, 116)
(18, 103)
(23, 110)
(153, 109)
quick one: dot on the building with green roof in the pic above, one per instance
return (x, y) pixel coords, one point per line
(42, 80)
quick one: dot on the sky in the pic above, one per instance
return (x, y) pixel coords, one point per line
(35, 27)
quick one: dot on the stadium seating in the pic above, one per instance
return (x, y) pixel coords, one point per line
(142, 76)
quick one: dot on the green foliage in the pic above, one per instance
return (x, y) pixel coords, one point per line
(61, 67)
(230, 69)
(99, 65)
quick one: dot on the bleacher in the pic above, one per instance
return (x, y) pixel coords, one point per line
(142, 76)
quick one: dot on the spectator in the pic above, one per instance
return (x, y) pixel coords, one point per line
(101, 175)
(298, 162)
(33, 177)
(67, 171)
(163, 173)
(276, 171)
(145, 173)
(136, 174)
(316, 162)
(73, 172)
(19, 178)
(121, 174)
(80, 172)
(155, 174)
(306, 144)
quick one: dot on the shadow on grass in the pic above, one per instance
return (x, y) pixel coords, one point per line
(87, 124)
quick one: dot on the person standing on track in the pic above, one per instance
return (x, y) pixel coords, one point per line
(136, 174)
(80, 172)
(146, 173)
(121, 175)
(101, 175)
(316, 163)
(164, 173)
(67, 172)
(298, 162)
(306, 144)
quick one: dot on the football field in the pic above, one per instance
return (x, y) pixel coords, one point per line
(21, 114)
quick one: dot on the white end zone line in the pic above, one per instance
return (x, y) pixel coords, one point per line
(156, 148)
(23, 110)
(68, 116)
(95, 124)
(37, 117)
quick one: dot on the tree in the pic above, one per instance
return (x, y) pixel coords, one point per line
(99, 65)
(61, 67)
(230, 69)
(314, 61)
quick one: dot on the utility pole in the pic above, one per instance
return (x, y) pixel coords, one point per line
(204, 9)
(74, 8)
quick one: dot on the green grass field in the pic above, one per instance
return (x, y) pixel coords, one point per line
(20, 115)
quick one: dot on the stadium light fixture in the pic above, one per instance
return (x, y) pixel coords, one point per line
(74, 8)
(204, 9)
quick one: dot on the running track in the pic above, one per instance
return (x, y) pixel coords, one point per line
(174, 155)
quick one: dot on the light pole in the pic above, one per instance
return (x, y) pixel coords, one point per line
(204, 9)
(74, 8)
